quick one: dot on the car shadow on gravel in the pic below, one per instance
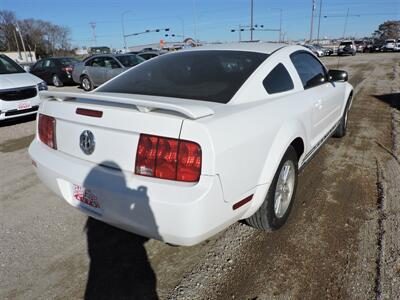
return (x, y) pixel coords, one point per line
(119, 267)
(392, 99)
(17, 120)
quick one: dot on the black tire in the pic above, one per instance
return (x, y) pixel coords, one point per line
(342, 128)
(265, 218)
(86, 83)
(56, 81)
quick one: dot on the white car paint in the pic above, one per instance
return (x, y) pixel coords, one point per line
(12, 82)
(242, 145)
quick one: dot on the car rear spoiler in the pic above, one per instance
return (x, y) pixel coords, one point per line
(192, 111)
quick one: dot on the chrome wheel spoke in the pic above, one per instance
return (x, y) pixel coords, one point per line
(284, 189)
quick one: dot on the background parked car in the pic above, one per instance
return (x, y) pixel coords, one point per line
(390, 45)
(376, 47)
(327, 51)
(98, 69)
(318, 52)
(360, 46)
(397, 48)
(18, 90)
(151, 54)
(347, 47)
(56, 70)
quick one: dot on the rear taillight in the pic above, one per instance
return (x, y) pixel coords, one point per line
(168, 158)
(68, 69)
(47, 130)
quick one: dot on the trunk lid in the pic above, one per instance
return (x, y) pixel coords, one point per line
(116, 133)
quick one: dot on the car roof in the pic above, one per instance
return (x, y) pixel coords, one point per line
(267, 48)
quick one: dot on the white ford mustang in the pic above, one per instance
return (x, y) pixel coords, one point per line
(183, 145)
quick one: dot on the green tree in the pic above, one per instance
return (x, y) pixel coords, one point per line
(387, 30)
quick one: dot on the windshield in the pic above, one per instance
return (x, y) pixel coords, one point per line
(130, 60)
(207, 75)
(8, 66)
(69, 61)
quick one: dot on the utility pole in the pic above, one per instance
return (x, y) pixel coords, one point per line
(22, 40)
(319, 19)
(280, 25)
(195, 21)
(16, 42)
(345, 23)
(123, 27)
(312, 19)
(93, 25)
(251, 19)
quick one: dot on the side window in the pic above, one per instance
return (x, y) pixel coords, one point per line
(52, 63)
(147, 56)
(38, 65)
(110, 62)
(278, 80)
(312, 73)
(97, 62)
(46, 63)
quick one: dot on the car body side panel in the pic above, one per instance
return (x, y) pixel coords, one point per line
(240, 149)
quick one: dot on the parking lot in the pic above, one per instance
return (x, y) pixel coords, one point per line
(342, 239)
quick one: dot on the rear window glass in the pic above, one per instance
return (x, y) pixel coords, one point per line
(207, 75)
(278, 80)
(68, 61)
(130, 60)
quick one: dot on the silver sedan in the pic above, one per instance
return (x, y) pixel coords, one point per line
(98, 69)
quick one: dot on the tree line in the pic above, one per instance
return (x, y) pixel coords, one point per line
(42, 37)
(387, 30)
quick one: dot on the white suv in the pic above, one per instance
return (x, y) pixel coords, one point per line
(390, 45)
(18, 90)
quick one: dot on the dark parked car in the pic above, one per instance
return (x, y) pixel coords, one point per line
(360, 46)
(347, 47)
(376, 47)
(56, 70)
(96, 70)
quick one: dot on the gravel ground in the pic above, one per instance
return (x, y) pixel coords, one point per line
(342, 240)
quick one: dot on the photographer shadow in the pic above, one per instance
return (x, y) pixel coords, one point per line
(119, 267)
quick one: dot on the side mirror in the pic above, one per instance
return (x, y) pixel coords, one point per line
(338, 75)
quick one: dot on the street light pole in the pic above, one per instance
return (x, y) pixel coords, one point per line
(319, 19)
(251, 19)
(123, 27)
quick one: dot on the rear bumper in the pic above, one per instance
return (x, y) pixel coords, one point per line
(9, 109)
(66, 78)
(173, 212)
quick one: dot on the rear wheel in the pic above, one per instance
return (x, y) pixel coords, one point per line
(276, 207)
(342, 128)
(86, 83)
(56, 81)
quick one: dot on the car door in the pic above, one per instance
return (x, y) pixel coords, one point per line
(47, 68)
(325, 96)
(96, 70)
(113, 68)
(37, 69)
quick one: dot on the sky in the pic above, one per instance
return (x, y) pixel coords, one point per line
(206, 20)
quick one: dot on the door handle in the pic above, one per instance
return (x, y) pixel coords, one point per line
(318, 104)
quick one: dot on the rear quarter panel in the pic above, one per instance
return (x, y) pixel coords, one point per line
(244, 144)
